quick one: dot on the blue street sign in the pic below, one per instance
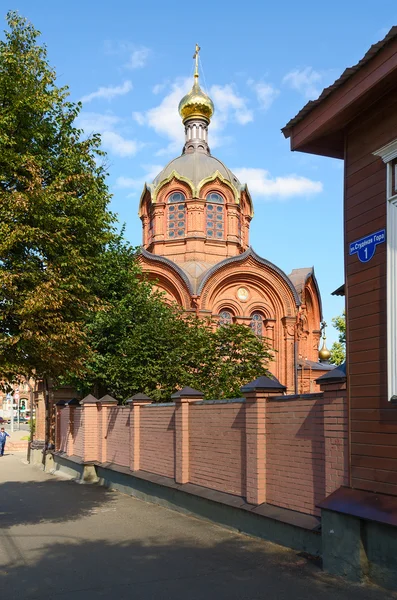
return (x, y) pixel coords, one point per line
(366, 246)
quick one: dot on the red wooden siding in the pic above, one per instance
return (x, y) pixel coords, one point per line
(373, 421)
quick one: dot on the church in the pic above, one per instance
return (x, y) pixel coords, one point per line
(196, 219)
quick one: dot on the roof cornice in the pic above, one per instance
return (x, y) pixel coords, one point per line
(241, 258)
(169, 263)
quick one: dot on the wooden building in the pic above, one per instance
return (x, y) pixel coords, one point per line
(355, 119)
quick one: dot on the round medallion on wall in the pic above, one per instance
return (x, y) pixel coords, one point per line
(242, 294)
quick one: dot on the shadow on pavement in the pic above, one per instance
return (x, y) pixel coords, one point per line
(31, 502)
(60, 540)
(232, 570)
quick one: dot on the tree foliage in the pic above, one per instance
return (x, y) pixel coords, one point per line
(54, 220)
(142, 344)
(338, 349)
(74, 303)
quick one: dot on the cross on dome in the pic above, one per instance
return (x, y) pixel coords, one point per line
(196, 110)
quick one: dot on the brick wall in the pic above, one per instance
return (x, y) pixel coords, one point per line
(158, 439)
(290, 451)
(296, 452)
(217, 446)
(118, 435)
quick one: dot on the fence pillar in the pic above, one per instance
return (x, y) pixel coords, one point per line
(58, 408)
(90, 428)
(104, 404)
(71, 405)
(333, 385)
(256, 394)
(136, 403)
(182, 460)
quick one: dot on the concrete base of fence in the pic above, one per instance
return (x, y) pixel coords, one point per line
(36, 456)
(359, 535)
(285, 527)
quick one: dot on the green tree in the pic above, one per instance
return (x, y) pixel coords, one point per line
(234, 356)
(54, 221)
(338, 349)
(142, 344)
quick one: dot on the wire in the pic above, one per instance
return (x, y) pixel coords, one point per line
(204, 79)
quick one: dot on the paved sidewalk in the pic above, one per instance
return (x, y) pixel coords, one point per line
(61, 540)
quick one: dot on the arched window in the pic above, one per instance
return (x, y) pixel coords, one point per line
(176, 216)
(215, 221)
(225, 317)
(176, 197)
(257, 323)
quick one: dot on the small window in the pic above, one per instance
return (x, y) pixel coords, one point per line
(176, 197)
(225, 317)
(176, 216)
(215, 219)
(215, 198)
(257, 323)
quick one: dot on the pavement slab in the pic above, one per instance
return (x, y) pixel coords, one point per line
(59, 540)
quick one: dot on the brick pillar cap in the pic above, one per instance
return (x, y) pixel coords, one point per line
(139, 398)
(107, 400)
(337, 375)
(187, 392)
(263, 384)
(61, 403)
(90, 399)
(72, 402)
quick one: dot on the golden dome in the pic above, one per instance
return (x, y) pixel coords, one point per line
(324, 354)
(196, 104)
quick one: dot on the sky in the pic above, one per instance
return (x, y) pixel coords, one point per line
(131, 62)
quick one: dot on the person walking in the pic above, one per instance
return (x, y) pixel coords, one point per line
(3, 436)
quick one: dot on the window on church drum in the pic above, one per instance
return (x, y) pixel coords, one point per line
(215, 221)
(225, 317)
(176, 197)
(257, 323)
(176, 216)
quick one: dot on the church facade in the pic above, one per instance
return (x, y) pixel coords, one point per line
(196, 219)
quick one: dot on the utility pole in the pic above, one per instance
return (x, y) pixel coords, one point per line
(16, 397)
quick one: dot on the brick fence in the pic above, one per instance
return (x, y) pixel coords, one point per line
(290, 451)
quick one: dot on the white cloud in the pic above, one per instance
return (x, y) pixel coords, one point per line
(136, 184)
(261, 184)
(108, 93)
(138, 58)
(165, 120)
(159, 87)
(115, 143)
(90, 121)
(139, 118)
(305, 81)
(106, 125)
(265, 93)
(137, 55)
(229, 104)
